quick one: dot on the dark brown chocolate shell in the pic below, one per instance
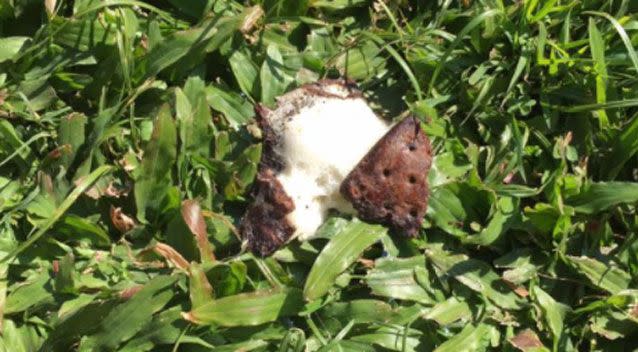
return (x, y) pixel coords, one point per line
(389, 185)
(264, 225)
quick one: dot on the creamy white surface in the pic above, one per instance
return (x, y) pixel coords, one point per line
(320, 145)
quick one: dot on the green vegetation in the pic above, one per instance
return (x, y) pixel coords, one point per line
(128, 148)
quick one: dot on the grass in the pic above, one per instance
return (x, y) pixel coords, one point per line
(128, 148)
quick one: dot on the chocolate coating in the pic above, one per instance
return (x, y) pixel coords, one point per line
(389, 185)
(265, 225)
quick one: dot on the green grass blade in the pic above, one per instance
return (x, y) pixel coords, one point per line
(66, 204)
(605, 276)
(627, 103)
(132, 315)
(248, 308)
(471, 338)
(399, 59)
(342, 250)
(624, 147)
(159, 157)
(474, 23)
(604, 195)
(597, 48)
(622, 33)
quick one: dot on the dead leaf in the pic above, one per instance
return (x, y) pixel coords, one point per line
(94, 192)
(171, 255)
(121, 221)
(526, 340)
(519, 290)
(117, 191)
(49, 5)
(127, 293)
(250, 20)
(194, 219)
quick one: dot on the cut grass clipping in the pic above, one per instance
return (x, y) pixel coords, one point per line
(130, 151)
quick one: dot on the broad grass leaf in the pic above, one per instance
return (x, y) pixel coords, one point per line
(85, 34)
(228, 278)
(157, 162)
(613, 325)
(166, 328)
(273, 78)
(446, 211)
(243, 172)
(131, 316)
(394, 338)
(506, 215)
(601, 196)
(447, 167)
(200, 289)
(64, 281)
(246, 73)
(72, 306)
(83, 321)
(39, 95)
(360, 310)
(248, 309)
(604, 276)
(19, 337)
(77, 228)
(193, 117)
(98, 130)
(12, 145)
(10, 46)
(521, 264)
(342, 250)
(395, 278)
(553, 312)
(478, 276)
(623, 148)
(236, 109)
(455, 205)
(361, 62)
(47, 223)
(186, 48)
(35, 291)
(449, 311)
(71, 133)
(471, 338)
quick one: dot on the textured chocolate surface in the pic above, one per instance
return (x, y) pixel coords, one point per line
(264, 225)
(389, 185)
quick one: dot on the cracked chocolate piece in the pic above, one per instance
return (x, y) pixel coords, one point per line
(389, 185)
(265, 225)
(311, 141)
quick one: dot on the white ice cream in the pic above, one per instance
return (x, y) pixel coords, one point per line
(320, 145)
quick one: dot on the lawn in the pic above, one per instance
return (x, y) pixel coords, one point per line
(128, 150)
